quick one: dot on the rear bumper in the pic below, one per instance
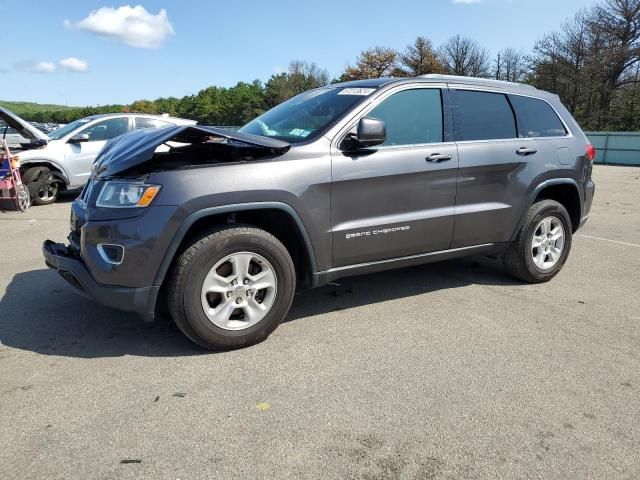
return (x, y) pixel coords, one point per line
(70, 266)
(589, 192)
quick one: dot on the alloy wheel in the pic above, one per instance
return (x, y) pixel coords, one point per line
(239, 291)
(547, 243)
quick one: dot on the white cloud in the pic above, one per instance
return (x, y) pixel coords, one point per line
(467, 2)
(133, 26)
(70, 64)
(30, 66)
(73, 64)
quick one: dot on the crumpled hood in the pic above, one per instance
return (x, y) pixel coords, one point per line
(22, 126)
(134, 148)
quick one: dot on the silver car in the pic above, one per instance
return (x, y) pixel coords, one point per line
(63, 158)
(12, 136)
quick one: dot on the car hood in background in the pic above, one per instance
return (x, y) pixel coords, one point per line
(135, 148)
(23, 127)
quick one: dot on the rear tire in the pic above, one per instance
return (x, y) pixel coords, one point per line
(43, 186)
(542, 244)
(214, 261)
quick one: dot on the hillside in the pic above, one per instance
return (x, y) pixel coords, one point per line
(26, 108)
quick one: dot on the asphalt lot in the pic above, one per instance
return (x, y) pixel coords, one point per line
(449, 370)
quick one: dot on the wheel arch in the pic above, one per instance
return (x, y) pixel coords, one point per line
(279, 219)
(56, 170)
(563, 190)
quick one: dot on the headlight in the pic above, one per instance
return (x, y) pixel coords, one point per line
(127, 195)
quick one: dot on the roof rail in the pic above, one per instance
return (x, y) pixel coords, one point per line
(476, 81)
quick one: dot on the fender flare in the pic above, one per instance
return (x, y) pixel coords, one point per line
(536, 191)
(58, 173)
(180, 234)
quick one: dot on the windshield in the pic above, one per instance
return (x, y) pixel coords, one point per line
(58, 133)
(306, 115)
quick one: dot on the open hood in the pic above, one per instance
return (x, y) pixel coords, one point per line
(23, 127)
(182, 145)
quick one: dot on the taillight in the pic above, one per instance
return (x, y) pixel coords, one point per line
(591, 152)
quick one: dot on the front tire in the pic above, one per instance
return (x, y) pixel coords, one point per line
(43, 186)
(231, 287)
(542, 244)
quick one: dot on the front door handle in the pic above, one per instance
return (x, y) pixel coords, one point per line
(438, 157)
(526, 151)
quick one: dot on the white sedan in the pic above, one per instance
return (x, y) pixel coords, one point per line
(63, 158)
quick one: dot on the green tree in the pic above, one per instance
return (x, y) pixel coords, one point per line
(375, 62)
(242, 103)
(300, 77)
(420, 58)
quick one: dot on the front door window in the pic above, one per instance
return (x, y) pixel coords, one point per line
(106, 130)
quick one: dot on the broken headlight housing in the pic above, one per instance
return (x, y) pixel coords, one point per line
(118, 194)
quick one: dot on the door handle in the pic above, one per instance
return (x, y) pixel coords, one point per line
(526, 151)
(438, 157)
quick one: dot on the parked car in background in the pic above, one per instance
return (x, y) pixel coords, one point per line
(47, 127)
(11, 135)
(63, 158)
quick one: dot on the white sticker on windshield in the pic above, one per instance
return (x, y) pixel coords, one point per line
(356, 91)
(299, 132)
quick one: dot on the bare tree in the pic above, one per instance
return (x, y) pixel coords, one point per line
(510, 65)
(619, 23)
(546, 61)
(464, 56)
(420, 58)
(578, 42)
(308, 73)
(590, 59)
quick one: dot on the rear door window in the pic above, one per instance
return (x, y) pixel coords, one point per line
(411, 117)
(146, 122)
(483, 116)
(536, 118)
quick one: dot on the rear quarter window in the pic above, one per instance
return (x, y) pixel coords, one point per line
(536, 118)
(483, 116)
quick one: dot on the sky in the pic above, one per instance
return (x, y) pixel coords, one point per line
(94, 52)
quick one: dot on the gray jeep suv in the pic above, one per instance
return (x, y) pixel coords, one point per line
(351, 178)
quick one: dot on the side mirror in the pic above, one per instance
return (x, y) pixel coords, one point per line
(79, 138)
(370, 132)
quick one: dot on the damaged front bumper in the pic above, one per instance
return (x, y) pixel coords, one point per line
(67, 262)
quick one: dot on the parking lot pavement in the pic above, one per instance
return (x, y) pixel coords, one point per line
(450, 370)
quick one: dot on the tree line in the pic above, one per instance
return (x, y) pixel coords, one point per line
(592, 62)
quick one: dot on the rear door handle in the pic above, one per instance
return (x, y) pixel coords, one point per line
(438, 157)
(526, 151)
